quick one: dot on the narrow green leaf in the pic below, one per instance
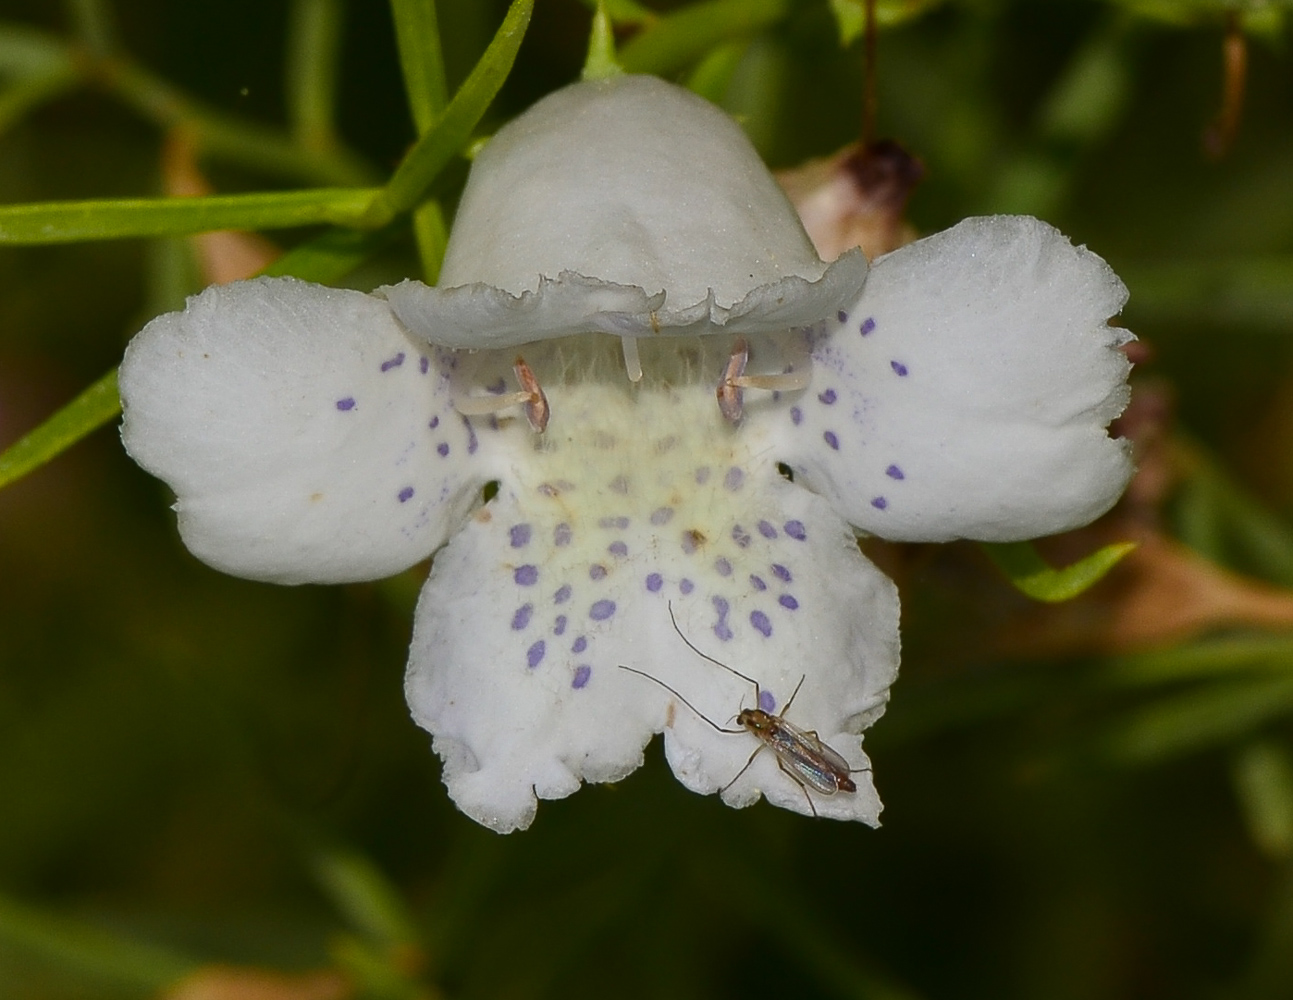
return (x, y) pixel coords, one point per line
(87, 412)
(1200, 719)
(328, 258)
(314, 38)
(1031, 575)
(74, 221)
(31, 92)
(1263, 777)
(677, 41)
(601, 63)
(453, 128)
(369, 902)
(1216, 658)
(82, 948)
(1218, 291)
(432, 236)
(626, 12)
(93, 22)
(29, 52)
(417, 32)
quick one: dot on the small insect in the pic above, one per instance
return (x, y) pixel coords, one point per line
(800, 753)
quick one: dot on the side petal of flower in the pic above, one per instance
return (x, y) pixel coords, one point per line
(967, 392)
(519, 640)
(306, 437)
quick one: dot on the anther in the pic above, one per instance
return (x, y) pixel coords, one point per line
(531, 399)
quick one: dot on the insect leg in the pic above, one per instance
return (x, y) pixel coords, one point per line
(757, 750)
(793, 694)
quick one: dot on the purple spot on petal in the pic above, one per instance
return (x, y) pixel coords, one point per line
(879, 503)
(723, 567)
(613, 522)
(526, 576)
(580, 644)
(757, 582)
(442, 449)
(534, 655)
(702, 475)
(618, 549)
(734, 479)
(893, 472)
(562, 534)
(767, 702)
(689, 542)
(522, 617)
(661, 515)
(796, 415)
(898, 367)
(596, 571)
(582, 673)
(346, 404)
(723, 631)
(559, 626)
(842, 316)
(520, 534)
(686, 586)
(830, 438)
(796, 530)
(722, 606)
(601, 610)
(868, 325)
(654, 582)
(767, 530)
(394, 362)
(562, 595)
(620, 485)
(760, 621)
(781, 573)
(424, 365)
(435, 422)
(497, 388)
(472, 442)
(406, 494)
(788, 602)
(827, 397)
(740, 536)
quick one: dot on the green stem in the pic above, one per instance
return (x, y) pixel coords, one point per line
(313, 47)
(417, 32)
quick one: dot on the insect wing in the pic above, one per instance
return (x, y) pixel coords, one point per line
(808, 758)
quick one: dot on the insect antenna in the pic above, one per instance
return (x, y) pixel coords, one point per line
(702, 715)
(717, 663)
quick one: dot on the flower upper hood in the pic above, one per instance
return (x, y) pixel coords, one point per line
(960, 389)
(629, 206)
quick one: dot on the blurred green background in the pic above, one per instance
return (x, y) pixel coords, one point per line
(1089, 801)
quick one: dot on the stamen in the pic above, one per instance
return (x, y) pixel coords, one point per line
(536, 404)
(632, 360)
(785, 382)
(731, 396)
(531, 398)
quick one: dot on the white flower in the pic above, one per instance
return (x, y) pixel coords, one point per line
(960, 389)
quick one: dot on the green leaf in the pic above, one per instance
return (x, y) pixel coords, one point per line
(1199, 719)
(28, 52)
(31, 92)
(87, 412)
(677, 41)
(328, 258)
(314, 40)
(1263, 777)
(626, 12)
(417, 32)
(1216, 658)
(89, 951)
(75, 221)
(601, 62)
(369, 902)
(453, 128)
(1031, 574)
